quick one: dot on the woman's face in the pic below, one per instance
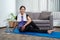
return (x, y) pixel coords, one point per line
(22, 10)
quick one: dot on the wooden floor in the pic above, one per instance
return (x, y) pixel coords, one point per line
(5, 36)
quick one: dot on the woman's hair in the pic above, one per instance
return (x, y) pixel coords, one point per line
(22, 7)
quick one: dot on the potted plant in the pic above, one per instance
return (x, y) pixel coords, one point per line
(11, 20)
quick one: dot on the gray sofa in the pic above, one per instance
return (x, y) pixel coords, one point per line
(43, 20)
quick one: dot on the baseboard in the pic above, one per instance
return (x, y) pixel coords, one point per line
(5, 27)
(56, 26)
(2, 27)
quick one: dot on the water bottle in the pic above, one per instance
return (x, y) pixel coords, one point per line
(7, 28)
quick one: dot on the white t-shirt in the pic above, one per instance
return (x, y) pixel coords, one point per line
(19, 17)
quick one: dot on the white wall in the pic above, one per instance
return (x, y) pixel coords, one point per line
(6, 7)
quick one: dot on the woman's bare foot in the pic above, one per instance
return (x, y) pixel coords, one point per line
(50, 31)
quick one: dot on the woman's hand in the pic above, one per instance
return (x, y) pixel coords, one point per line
(23, 28)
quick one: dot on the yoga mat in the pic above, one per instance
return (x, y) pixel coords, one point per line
(52, 35)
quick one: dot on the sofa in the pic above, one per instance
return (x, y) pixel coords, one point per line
(44, 20)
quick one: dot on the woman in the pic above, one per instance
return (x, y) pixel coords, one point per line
(26, 24)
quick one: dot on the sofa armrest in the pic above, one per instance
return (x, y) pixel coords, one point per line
(51, 21)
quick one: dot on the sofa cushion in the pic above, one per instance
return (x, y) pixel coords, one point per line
(41, 21)
(45, 15)
(34, 15)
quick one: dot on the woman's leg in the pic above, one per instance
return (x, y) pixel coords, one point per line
(38, 30)
(34, 25)
(33, 28)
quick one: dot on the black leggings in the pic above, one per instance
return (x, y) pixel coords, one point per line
(32, 28)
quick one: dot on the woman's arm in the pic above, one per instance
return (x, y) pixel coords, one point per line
(28, 22)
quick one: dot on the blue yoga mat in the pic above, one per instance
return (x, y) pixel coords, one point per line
(52, 35)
